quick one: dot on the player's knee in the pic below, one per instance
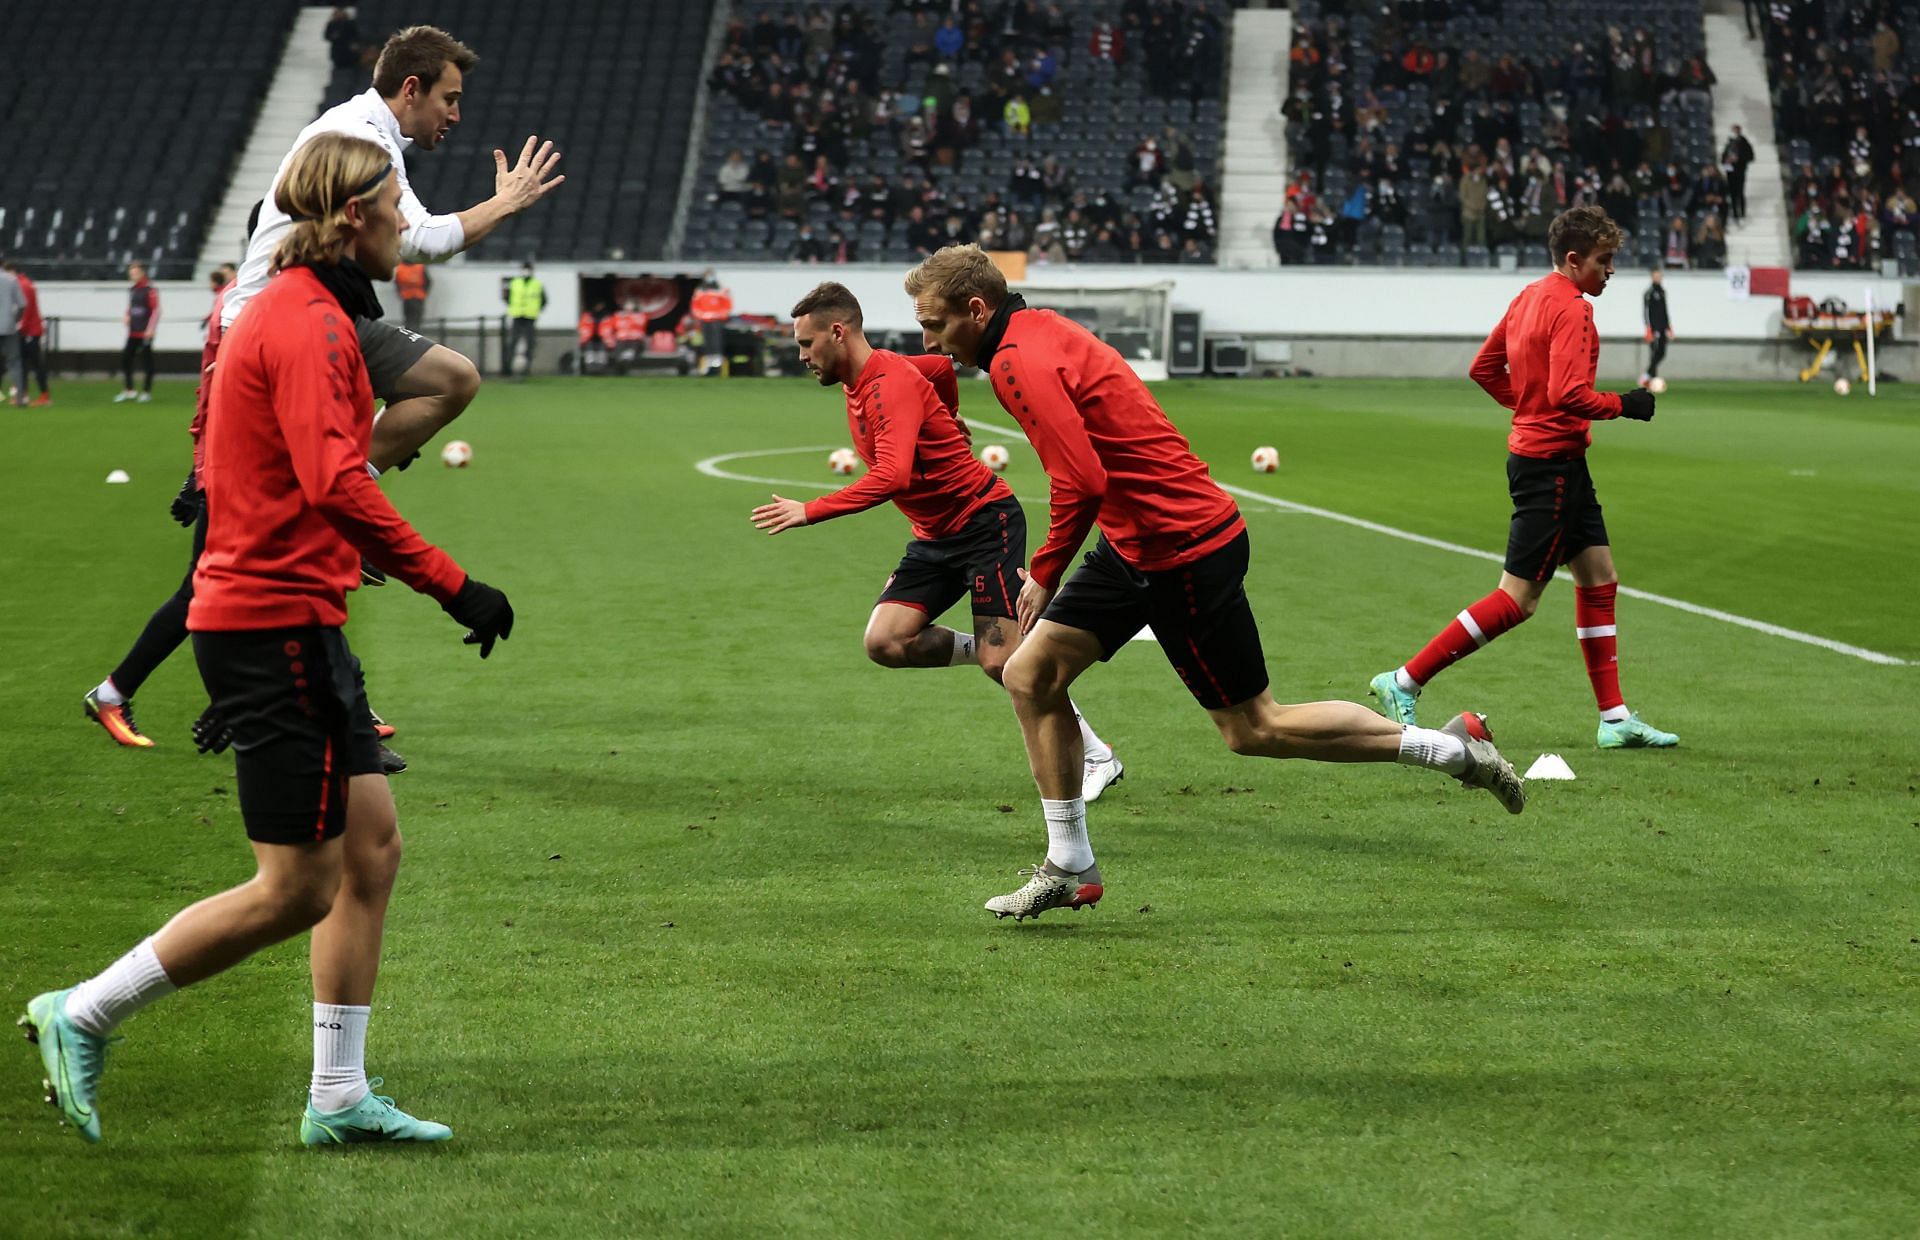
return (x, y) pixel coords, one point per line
(301, 905)
(994, 664)
(1029, 676)
(886, 651)
(1244, 739)
(458, 381)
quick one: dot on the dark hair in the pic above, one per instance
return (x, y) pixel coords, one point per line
(419, 52)
(1582, 230)
(834, 302)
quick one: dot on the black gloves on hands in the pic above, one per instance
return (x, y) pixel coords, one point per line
(186, 506)
(1637, 404)
(211, 732)
(486, 613)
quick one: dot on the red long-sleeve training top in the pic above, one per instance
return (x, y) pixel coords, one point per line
(1112, 456)
(203, 395)
(901, 414)
(1540, 362)
(290, 506)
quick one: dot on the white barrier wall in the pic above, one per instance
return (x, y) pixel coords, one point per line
(1293, 302)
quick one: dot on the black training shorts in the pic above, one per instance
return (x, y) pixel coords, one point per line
(1198, 611)
(297, 707)
(1556, 515)
(982, 560)
(389, 352)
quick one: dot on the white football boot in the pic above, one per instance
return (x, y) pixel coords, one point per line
(1045, 890)
(1095, 776)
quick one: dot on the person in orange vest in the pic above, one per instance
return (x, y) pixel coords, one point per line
(712, 307)
(593, 353)
(413, 282)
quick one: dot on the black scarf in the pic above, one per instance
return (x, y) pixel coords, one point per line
(350, 286)
(997, 327)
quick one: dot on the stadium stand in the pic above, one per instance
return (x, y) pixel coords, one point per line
(1450, 132)
(613, 84)
(1846, 106)
(123, 120)
(878, 131)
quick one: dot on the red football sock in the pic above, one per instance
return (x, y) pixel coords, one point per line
(1593, 614)
(1470, 630)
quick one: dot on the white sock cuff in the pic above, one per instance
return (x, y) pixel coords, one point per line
(1584, 631)
(1433, 749)
(1067, 844)
(1405, 680)
(109, 693)
(99, 1004)
(963, 650)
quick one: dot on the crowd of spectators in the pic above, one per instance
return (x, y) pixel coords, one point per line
(1847, 112)
(1400, 141)
(845, 155)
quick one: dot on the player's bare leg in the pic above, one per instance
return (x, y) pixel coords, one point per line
(1037, 678)
(433, 392)
(1595, 584)
(345, 959)
(902, 636)
(1349, 732)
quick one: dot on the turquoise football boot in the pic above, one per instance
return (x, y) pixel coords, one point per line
(73, 1058)
(1633, 732)
(1395, 703)
(373, 1118)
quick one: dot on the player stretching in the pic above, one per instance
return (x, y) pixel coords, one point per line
(418, 83)
(1540, 362)
(969, 534)
(1172, 553)
(290, 511)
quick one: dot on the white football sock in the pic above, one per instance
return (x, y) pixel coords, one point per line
(963, 651)
(1430, 747)
(99, 1004)
(1096, 748)
(1407, 683)
(1616, 714)
(339, 1056)
(1067, 845)
(108, 694)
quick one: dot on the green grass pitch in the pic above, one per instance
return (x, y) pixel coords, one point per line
(688, 941)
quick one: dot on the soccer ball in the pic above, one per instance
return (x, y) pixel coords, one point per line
(1841, 386)
(843, 461)
(994, 457)
(456, 454)
(1656, 385)
(1266, 459)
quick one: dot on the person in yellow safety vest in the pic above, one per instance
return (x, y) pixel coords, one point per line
(412, 282)
(526, 298)
(712, 307)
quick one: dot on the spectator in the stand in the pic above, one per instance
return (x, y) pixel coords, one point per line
(1103, 248)
(1193, 252)
(1014, 233)
(1814, 234)
(1108, 44)
(949, 40)
(1474, 195)
(1886, 47)
(790, 186)
(1198, 222)
(1049, 109)
(805, 246)
(1735, 157)
(1075, 235)
(1162, 250)
(344, 40)
(733, 177)
(1710, 192)
(1041, 68)
(1900, 213)
(1678, 246)
(1710, 244)
(1147, 163)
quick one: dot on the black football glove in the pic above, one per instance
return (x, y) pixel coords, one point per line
(1637, 404)
(186, 505)
(486, 613)
(211, 732)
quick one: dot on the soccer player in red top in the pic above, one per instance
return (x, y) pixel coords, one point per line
(143, 320)
(1172, 553)
(33, 330)
(291, 510)
(1540, 362)
(969, 533)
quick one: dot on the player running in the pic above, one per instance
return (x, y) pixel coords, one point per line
(1540, 362)
(418, 83)
(969, 533)
(290, 511)
(1172, 553)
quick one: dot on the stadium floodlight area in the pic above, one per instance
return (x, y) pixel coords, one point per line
(1137, 319)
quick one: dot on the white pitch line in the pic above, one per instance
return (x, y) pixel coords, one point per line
(1711, 613)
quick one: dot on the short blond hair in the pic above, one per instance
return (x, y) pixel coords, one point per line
(325, 174)
(957, 275)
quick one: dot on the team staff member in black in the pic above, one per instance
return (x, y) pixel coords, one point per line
(290, 511)
(143, 319)
(1653, 313)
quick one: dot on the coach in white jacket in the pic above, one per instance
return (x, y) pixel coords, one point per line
(418, 83)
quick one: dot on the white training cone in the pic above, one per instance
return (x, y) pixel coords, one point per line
(1549, 766)
(119, 475)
